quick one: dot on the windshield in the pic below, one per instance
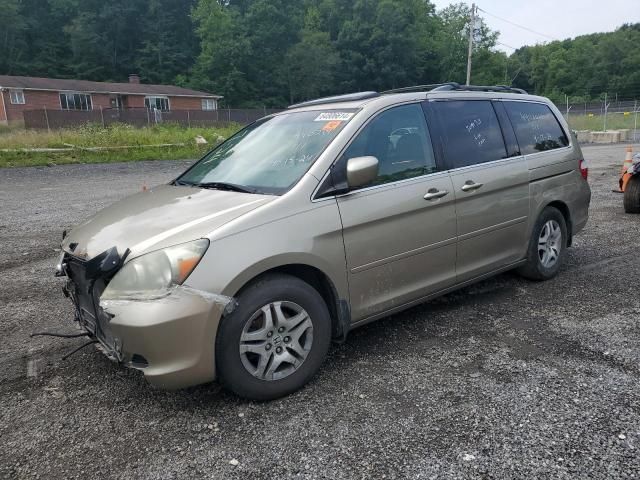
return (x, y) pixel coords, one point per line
(268, 156)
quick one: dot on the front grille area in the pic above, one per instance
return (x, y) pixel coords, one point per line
(85, 294)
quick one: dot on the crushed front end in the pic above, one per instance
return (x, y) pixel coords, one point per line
(169, 335)
(86, 280)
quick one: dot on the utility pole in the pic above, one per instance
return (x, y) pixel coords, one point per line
(506, 64)
(472, 23)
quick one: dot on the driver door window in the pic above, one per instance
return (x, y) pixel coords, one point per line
(399, 139)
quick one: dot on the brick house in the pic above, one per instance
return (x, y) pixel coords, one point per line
(18, 94)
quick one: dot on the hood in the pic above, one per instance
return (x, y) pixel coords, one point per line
(157, 218)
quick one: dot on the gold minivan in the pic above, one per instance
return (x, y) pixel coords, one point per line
(321, 218)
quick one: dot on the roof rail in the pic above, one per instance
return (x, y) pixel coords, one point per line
(349, 97)
(456, 87)
(434, 87)
(419, 88)
(491, 88)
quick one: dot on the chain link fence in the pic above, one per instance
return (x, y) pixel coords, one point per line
(141, 117)
(604, 115)
(581, 116)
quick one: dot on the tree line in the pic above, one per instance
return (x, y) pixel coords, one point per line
(275, 52)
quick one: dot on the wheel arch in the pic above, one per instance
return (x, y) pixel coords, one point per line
(339, 309)
(566, 213)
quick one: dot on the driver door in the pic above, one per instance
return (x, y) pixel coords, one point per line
(399, 231)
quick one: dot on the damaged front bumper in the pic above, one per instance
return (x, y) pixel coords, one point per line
(169, 337)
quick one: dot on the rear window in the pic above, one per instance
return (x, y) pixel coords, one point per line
(537, 129)
(470, 131)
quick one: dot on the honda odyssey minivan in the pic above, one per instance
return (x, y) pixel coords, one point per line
(321, 218)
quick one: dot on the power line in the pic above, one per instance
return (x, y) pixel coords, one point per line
(517, 25)
(505, 45)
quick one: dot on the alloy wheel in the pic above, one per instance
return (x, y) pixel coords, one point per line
(550, 243)
(276, 340)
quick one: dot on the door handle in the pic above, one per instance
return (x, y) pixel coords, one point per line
(434, 193)
(470, 185)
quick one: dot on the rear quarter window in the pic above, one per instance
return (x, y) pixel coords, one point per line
(470, 132)
(536, 127)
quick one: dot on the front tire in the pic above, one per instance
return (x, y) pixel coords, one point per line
(275, 340)
(631, 199)
(547, 246)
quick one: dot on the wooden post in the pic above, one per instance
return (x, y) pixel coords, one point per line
(606, 109)
(188, 118)
(102, 116)
(46, 118)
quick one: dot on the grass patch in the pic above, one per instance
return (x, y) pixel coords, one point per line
(615, 121)
(113, 136)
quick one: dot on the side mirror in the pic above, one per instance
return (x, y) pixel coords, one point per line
(361, 171)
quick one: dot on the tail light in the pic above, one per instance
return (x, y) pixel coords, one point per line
(584, 168)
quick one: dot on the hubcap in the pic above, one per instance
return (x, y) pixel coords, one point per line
(276, 340)
(550, 243)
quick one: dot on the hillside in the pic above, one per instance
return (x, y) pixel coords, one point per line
(274, 52)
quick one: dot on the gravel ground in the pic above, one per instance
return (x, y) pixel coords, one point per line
(504, 379)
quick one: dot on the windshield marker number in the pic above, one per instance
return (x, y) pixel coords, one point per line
(333, 116)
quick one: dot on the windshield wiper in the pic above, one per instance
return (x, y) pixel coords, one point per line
(232, 187)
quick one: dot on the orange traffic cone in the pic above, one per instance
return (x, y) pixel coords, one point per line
(624, 176)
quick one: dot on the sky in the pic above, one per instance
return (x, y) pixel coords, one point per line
(552, 19)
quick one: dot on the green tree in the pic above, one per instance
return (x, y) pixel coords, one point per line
(453, 44)
(312, 62)
(169, 43)
(104, 38)
(585, 67)
(224, 52)
(383, 43)
(274, 52)
(12, 30)
(272, 27)
(47, 51)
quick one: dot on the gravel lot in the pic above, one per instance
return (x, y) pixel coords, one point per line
(504, 379)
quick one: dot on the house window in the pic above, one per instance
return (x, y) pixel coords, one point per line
(157, 103)
(17, 97)
(117, 101)
(75, 101)
(208, 104)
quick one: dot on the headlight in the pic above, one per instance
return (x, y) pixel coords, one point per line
(150, 275)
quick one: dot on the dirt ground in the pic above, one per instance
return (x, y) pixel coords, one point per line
(504, 379)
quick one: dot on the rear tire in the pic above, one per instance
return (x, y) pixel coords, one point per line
(632, 195)
(275, 340)
(546, 247)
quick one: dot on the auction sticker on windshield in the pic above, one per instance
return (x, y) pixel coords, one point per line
(330, 116)
(332, 125)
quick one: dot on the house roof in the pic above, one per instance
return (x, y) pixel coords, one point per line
(59, 84)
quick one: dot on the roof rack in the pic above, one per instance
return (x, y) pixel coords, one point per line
(420, 88)
(456, 87)
(349, 97)
(490, 88)
(434, 87)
